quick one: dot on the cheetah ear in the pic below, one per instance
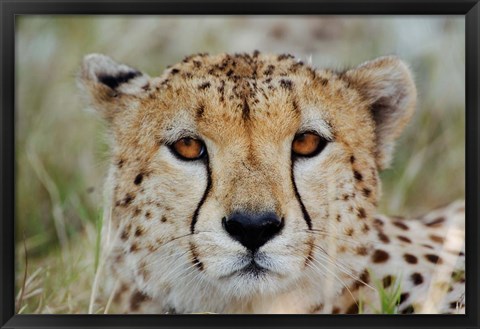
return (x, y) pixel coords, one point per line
(108, 86)
(387, 85)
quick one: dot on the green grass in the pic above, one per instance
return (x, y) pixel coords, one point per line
(62, 153)
(389, 297)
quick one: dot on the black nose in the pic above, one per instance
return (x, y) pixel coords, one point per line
(253, 231)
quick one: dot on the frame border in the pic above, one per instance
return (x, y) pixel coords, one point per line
(10, 8)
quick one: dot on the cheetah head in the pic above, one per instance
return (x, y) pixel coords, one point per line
(244, 176)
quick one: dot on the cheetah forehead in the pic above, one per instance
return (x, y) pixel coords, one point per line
(373, 101)
(240, 66)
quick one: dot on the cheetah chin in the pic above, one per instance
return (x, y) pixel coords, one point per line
(249, 183)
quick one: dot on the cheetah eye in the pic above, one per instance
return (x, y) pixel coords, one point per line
(308, 144)
(189, 148)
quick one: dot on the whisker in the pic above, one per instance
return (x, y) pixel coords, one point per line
(335, 276)
(342, 267)
(347, 238)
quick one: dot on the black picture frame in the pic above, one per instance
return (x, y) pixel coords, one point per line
(9, 9)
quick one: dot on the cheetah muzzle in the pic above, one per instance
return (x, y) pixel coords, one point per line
(248, 183)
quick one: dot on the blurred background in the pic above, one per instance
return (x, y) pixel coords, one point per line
(61, 149)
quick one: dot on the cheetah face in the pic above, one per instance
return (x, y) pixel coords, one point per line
(245, 174)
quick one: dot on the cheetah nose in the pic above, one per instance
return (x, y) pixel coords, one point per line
(252, 230)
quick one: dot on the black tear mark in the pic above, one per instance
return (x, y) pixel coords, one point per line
(204, 197)
(113, 81)
(306, 216)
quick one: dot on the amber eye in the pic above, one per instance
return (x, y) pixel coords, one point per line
(308, 144)
(189, 148)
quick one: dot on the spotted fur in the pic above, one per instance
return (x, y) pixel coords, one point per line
(164, 244)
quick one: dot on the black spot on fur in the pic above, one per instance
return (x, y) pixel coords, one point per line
(134, 247)
(120, 163)
(113, 81)
(433, 258)
(378, 222)
(383, 237)
(284, 56)
(416, 278)
(174, 71)
(124, 235)
(200, 111)
(352, 159)
(380, 256)
(436, 222)
(136, 212)
(361, 213)
(404, 297)
(138, 231)
(286, 84)
(269, 71)
(353, 309)
(365, 228)
(408, 310)
(128, 199)
(362, 251)
(387, 281)
(204, 86)
(400, 225)
(365, 277)
(404, 239)
(137, 299)
(436, 238)
(316, 309)
(358, 176)
(410, 259)
(245, 110)
(138, 180)
(366, 192)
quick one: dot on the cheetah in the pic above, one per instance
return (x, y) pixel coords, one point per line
(248, 183)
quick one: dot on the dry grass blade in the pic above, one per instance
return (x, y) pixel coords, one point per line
(49, 184)
(22, 292)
